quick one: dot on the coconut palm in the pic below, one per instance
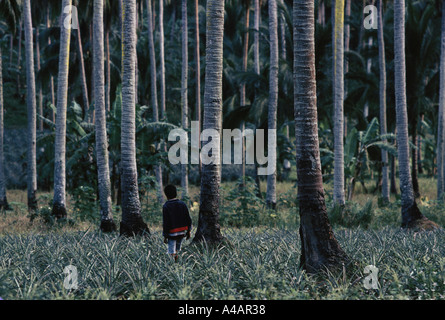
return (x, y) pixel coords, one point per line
(107, 224)
(319, 248)
(208, 223)
(9, 12)
(3, 198)
(411, 215)
(382, 95)
(184, 91)
(441, 120)
(271, 194)
(31, 103)
(132, 222)
(338, 44)
(162, 113)
(154, 94)
(197, 74)
(59, 201)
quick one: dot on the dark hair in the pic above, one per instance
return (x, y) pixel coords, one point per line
(170, 191)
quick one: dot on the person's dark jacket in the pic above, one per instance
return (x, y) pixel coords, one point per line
(176, 219)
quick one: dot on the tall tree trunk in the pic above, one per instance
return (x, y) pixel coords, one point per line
(184, 93)
(154, 94)
(243, 91)
(19, 56)
(441, 121)
(319, 248)
(198, 77)
(256, 37)
(132, 222)
(271, 194)
(108, 79)
(163, 114)
(414, 151)
(107, 224)
(31, 103)
(208, 223)
(383, 131)
(338, 42)
(411, 215)
(83, 77)
(3, 198)
(59, 202)
(51, 79)
(39, 84)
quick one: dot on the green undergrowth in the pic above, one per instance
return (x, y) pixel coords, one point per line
(260, 263)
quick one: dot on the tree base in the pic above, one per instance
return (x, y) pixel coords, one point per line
(136, 228)
(58, 211)
(423, 224)
(4, 205)
(108, 226)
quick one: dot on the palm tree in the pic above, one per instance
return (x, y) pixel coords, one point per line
(338, 44)
(83, 78)
(59, 201)
(162, 60)
(256, 37)
(132, 223)
(3, 198)
(319, 248)
(382, 67)
(243, 88)
(9, 12)
(154, 94)
(271, 194)
(411, 215)
(441, 120)
(31, 103)
(197, 74)
(107, 224)
(208, 223)
(184, 91)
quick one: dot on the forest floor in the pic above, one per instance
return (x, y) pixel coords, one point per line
(260, 260)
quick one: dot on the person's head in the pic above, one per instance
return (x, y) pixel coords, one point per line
(170, 191)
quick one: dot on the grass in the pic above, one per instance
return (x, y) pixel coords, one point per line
(259, 262)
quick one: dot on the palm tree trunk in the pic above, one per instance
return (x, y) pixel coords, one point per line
(256, 37)
(243, 91)
(338, 42)
(208, 223)
(31, 103)
(184, 92)
(59, 202)
(132, 222)
(271, 194)
(3, 198)
(108, 79)
(19, 56)
(51, 80)
(154, 95)
(383, 131)
(319, 248)
(441, 121)
(163, 114)
(107, 224)
(83, 77)
(198, 77)
(411, 215)
(39, 84)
